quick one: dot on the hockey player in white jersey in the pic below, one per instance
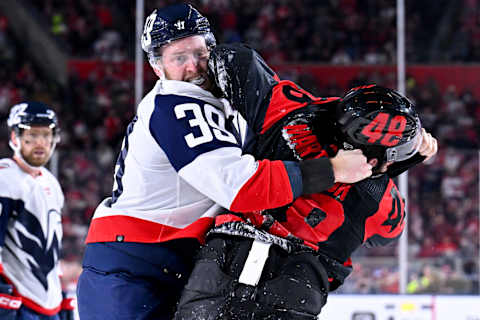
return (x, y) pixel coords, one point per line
(31, 201)
(180, 161)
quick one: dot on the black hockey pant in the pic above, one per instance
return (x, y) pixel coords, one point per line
(292, 286)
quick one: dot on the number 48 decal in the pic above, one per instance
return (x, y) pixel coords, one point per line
(374, 131)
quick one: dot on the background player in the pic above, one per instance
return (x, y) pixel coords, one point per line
(31, 201)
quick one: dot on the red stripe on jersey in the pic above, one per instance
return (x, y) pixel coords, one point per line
(224, 218)
(130, 229)
(389, 220)
(10, 302)
(280, 105)
(32, 305)
(68, 304)
(268, 188)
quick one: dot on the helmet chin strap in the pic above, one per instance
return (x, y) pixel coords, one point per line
(22, 163)
(154, 64)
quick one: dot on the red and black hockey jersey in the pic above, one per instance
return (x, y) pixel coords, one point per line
(288, 123)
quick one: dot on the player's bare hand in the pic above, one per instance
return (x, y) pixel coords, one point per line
(350, 166)
(429, 146)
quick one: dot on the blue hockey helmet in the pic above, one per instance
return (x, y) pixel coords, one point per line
(381, 122)
(174, 22)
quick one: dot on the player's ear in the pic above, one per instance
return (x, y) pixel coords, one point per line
(373, 162)
(13, 137)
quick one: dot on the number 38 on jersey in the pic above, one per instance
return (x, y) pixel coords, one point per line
(211, 125)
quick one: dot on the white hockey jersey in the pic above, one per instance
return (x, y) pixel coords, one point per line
(180, 161)
(31, 235)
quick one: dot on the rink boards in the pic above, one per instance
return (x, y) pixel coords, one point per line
(401, 307)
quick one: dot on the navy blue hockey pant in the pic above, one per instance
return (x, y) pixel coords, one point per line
(132, 281)
(25, 313)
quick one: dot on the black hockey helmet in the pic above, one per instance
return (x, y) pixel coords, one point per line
(381, 122)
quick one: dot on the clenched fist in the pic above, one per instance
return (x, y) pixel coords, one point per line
(350, 166)
(429, 146)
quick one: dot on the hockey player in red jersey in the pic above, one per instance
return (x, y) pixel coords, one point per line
(281, 263)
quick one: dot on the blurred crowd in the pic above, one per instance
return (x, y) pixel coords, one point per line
(334, 31)
(443, 195)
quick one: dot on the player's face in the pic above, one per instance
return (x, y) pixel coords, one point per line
(36, 144)
(186, 60)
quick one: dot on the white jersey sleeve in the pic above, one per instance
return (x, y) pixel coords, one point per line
(179, 162)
